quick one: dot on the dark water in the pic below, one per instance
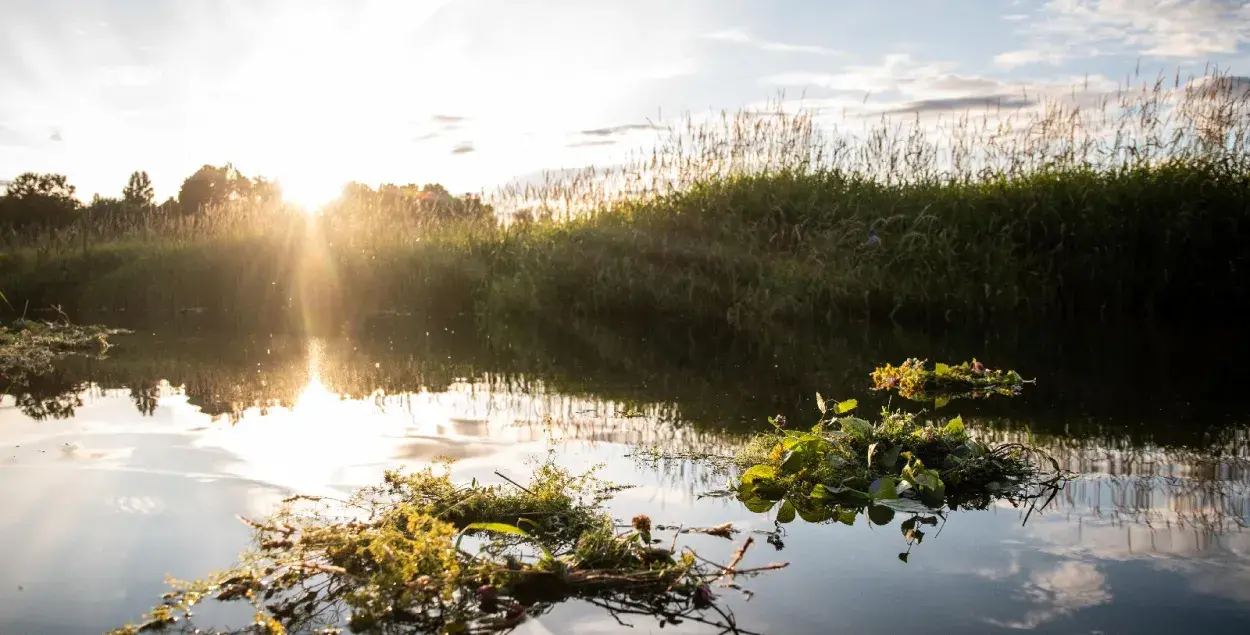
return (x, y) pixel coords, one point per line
(117, 472)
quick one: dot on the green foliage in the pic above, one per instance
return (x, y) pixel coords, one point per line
(214, 186)
(942, 384)
(429, 205)
(138, 192)
(754, 222)
(38, 201)
(846, 465)
(391, 557)
(29, 348)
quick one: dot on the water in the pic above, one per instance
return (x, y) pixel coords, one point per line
(117, 472)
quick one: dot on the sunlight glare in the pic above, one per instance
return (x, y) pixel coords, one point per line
(309, 193)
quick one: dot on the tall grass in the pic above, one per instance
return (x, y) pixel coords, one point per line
(1130, 203)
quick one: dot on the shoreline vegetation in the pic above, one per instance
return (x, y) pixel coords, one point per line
(1136, 207)
(393, 557)
(32, 348)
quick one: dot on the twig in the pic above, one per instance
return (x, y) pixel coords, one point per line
(673, 547)
(729, 570)
(519, 486)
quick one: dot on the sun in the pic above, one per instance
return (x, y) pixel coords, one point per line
(310, 193)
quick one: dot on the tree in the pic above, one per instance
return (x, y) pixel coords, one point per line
(35, 200)
(108, 213)
(207, 187)
(169, 206)
(138, 192)
(262, 190)
(211, 186)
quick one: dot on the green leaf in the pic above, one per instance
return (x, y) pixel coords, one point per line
(941, 369)
(503, 528)
(955, 427)
(856, 427)
(906, 505)
(880, 515)
(758, 473)
(815, 514)
(883, 489)
(847, 516)
(793, 461)
(820, 401)
(934, 497)
(786, 513)
(940, 402)
(758, 504)
(846, 406)
(845, 494)
(499, 528)
(890, 457)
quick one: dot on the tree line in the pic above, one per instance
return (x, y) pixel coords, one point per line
(40, 202)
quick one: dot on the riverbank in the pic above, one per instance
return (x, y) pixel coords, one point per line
(750, 251)
(756, 222)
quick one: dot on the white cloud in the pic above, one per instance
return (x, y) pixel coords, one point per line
(741, 36)
(1069, 587)
(1172, 29)
(901, 83)
(1012, 59)
(896, 72)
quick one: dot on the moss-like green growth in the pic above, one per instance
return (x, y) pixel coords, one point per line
(945, 382)
(30, 348)
(393, 558)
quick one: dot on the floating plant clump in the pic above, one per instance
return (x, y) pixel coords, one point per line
(29, 347)
(845, 466)
(944, 382)
(394, 558)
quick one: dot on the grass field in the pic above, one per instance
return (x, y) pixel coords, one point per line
(1138, 208)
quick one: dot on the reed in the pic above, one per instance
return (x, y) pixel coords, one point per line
(1135, 207)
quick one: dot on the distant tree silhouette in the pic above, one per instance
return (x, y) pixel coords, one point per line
(430, 202)
(208, 187)
(262, 190)
(212, 186)
(35, 200)
(106, 208)
(169, 206)
(138, 192)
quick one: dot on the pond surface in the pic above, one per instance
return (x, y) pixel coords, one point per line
(116, 472)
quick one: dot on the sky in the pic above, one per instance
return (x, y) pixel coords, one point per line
(473, 93)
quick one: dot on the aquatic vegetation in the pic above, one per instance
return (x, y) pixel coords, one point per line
(845, 465)
(29, 347)
(420, 554)
(944, 382)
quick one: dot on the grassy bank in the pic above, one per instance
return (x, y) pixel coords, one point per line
(1139, 210)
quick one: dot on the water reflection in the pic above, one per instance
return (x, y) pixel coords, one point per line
(125, 469)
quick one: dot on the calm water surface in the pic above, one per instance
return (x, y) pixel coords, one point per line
(117, 472)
